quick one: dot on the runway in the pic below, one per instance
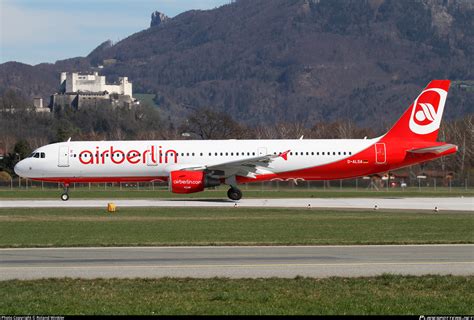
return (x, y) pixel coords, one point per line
(449, 204)
(236, 262)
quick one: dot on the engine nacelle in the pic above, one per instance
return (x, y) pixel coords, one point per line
(191, 181)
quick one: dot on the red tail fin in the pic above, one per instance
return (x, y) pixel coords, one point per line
(421, 121)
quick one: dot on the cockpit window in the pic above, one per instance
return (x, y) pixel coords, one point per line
(38, 155)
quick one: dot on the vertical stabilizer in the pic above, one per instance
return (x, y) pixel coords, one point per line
(422, 120)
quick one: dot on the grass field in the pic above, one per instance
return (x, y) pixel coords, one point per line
(378, 295)
(227, 226)
(251, 192)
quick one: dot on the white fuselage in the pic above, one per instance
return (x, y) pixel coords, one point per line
(157, 159)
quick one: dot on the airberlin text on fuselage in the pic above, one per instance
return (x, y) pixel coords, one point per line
(117, 156)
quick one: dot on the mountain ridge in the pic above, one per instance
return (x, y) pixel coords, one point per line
(267, 61)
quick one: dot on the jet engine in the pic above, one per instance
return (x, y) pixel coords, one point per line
(191, 181)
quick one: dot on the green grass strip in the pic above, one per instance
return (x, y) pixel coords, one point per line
(386, 294)
(221, 193)
(60, 227)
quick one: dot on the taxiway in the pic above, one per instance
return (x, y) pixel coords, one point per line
(236, 262)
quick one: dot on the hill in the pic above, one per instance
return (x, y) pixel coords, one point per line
(266, 61)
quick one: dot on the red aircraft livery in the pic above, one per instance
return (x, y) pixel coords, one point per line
(193, 165)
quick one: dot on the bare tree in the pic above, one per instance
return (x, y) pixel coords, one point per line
(209, 124)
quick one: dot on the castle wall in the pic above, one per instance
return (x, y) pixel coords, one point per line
(75, 82)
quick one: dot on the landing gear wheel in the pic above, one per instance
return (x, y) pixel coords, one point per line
(65, 195)
(234, 194)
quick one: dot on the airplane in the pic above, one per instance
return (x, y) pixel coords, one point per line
(192, 165)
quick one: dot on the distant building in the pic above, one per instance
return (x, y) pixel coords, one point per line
(81, 90)
(38, 105)
(93, 83)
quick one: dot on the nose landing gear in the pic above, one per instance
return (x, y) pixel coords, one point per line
(65, 195)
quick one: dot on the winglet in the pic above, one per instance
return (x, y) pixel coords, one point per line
(284, 155)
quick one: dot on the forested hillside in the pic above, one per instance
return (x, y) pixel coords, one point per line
(306, 61)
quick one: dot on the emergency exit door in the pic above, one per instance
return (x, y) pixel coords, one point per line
(380, 153)
(63, 159)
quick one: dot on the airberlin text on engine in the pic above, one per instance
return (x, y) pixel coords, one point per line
(152, 155)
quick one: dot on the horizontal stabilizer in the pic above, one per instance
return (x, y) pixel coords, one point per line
(436, 149)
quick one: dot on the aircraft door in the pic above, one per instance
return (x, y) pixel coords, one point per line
(262, 151)
(151, 158)
(380, 153)
(63, 156)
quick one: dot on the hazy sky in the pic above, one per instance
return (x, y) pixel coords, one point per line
(34, 31)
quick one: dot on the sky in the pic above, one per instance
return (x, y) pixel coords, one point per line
(35, 31)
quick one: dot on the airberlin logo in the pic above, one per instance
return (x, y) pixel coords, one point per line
(152, 156)
(187, 181)
(427, 111)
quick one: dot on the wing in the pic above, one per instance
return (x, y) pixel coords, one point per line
(436, 149)
(249, 167)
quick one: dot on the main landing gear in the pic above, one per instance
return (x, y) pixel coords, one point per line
(234, 194)
(65, 195)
